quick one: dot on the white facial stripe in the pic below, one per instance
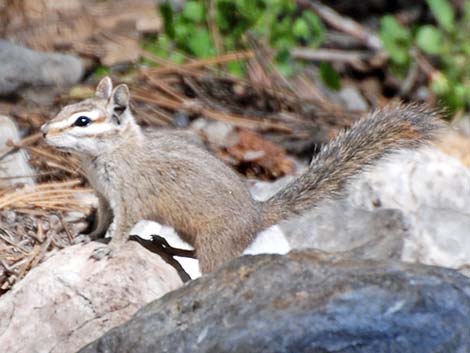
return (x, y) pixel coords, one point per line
(92, 114)
(92, 129)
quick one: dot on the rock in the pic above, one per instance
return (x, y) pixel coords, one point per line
(457, 143)
(377, 234)
(22, 68)
(433, 190)
(70, 300)
(16, 163)
(219, 134)
(352, 99)
(463, 125)
(304, 302)
(430, 193)
(269, 241)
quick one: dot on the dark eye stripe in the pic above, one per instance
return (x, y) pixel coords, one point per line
(82, 121)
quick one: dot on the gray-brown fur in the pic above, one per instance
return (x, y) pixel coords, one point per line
(170, 178)
(370, 139)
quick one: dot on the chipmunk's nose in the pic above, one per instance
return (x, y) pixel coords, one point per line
(44, 129)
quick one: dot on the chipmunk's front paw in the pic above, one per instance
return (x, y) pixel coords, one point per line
(102, 252)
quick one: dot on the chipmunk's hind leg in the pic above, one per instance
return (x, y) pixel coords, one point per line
(217, 247)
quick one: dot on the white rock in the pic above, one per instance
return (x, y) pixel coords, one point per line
(70, 300)
(16, 163)
(270, 241)
(431, 191)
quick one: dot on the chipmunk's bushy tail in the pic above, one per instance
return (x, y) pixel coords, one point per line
(370, 139)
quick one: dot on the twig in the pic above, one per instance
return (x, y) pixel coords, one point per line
(202, 63)
(29, 176)
(4, 233)
(66, 228)
(430, 71)
(23, 143)
(44, 248)
(8, 269)
(346, 25)
(164, 87)
(192, 106)
(214, 29)
(156, 239)
(156, 246)
(356, 58)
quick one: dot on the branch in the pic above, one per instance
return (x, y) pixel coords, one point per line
(160, 246)
(343, 24)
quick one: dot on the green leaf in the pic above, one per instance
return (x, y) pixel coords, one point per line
(459, 91)
(391, 27)
(183, 31)
(440, 84)
(444, 13)
(430, 40)
(317, 28)
(177, 57)
(200, 43)
(300, 28)
(236, 68)
(330, 76)
(396, 39)
(286, 69)
(101, 71)
(167, 14)
(466, 11)
(194, 11)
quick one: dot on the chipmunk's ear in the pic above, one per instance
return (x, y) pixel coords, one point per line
(120, 101)
(104, 88)
(121, 95)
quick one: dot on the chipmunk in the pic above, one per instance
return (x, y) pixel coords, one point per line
(162, 176)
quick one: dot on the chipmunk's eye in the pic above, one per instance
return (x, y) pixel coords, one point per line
(82, 121)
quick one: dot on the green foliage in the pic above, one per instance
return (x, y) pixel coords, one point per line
(277, 22)
(444, 14)
(396, 40)
(330, 76)
(430, 39)
(447, 43)
(101, 71)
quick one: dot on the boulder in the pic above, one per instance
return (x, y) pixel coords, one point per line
(305, 301)
(16, 163)
(22, 68)
(419, 199)
(70, 299)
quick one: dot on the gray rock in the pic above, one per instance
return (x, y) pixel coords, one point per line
(352, 99)
(15, 164)
(70, 299)
(463, 125)
(433, 190)
(304, 302)
(430, 193)
(377, 234)
(22, 68)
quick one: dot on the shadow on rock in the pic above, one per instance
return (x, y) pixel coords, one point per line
(306, 301)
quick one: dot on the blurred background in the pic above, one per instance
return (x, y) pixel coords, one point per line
(264, 83)
(413, 50)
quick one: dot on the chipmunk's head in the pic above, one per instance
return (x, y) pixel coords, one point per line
(95, 124)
